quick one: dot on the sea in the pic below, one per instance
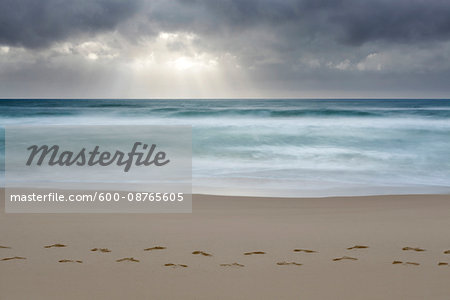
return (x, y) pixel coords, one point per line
(281, 147)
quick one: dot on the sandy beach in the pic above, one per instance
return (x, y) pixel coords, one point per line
(234, 248)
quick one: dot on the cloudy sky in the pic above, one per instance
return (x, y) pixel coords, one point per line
(224, 48)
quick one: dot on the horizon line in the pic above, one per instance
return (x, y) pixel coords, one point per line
(226, 98)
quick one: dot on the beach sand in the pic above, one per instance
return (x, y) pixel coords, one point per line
(102, 256)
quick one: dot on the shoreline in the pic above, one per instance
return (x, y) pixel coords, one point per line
(200, 195)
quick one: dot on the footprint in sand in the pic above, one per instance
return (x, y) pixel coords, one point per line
(358, 247)
(447, 252)
(417, 249)
(235, 264)
(103, 250)
(442, 264)
(398, 262)
(254, 252)
(132, 259)
(344, 258)
(70, 261)
(55, 246)
(175, 265)
(305, 250)
(12, 258)
(4, 247)
(155, 248)
(202, 253)
(285, 263)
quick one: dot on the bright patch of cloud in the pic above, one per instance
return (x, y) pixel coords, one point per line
(200, 62)
(372, 62)
(4, 49)
(342, 65)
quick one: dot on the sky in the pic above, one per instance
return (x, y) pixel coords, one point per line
(225, 49)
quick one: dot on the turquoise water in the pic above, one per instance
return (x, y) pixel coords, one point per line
(284, 147)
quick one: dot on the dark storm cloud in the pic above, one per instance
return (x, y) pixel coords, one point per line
(352, 22)
(38, 23)
(32, 23)
(393, 21)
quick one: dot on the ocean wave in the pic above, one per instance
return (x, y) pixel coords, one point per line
(291, 145)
